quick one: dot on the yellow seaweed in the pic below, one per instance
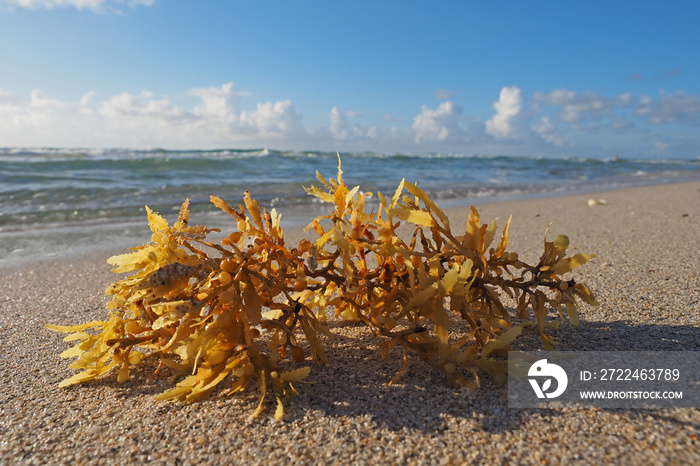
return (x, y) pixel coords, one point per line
(241, 309)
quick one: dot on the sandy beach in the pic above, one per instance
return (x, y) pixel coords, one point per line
(645, 278)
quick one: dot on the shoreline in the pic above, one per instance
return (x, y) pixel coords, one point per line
(85, 239)
(645, 277)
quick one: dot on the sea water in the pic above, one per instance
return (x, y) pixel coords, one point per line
(54, 201)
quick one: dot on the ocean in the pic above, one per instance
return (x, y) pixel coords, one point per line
(57, 201)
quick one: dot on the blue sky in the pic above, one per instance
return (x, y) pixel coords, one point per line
(551, 78)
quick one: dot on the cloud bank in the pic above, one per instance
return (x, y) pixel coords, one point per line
(439, 125)
(560, 121)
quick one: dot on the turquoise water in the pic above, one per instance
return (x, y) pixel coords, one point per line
(92, 196)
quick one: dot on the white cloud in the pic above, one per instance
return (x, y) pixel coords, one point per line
(509, 104)
(556, 97)
(624, 100)
(339, 124)
(10, 108)
(548, 132)
(39, 111)
(577, 108)
(87, 103)
(38, 100)
(94, 5)
(126, 105)
(372, 132)
(439, 125)
(670, 108)
(217, 102)
(274, 119)
(87, 99)
(341, 129)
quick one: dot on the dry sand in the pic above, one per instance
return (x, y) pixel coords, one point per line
(646, 278)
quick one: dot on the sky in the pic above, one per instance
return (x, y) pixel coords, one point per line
(551, 78)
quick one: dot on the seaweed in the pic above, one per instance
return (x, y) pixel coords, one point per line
(237, 310)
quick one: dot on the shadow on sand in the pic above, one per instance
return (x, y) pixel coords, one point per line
(355, 383)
